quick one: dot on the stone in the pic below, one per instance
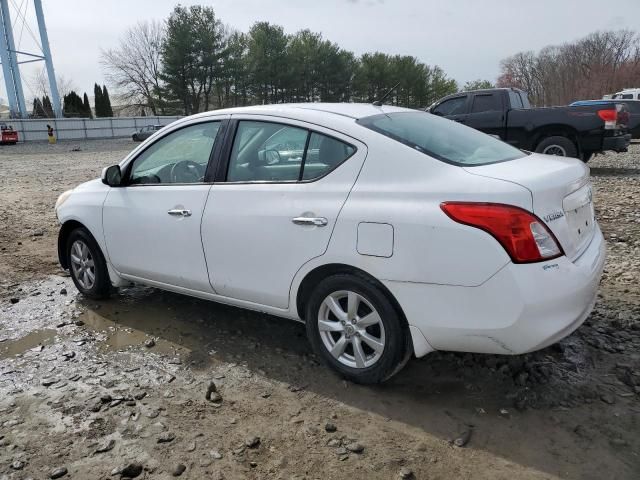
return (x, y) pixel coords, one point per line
(63, 291)
(405, 473)
(215, 454)
(463, 439)
(58, 472)
(131, 471)
(14, 300)
(18, 465)
(330, 427)
(178, 470)
(47, 382)
(149, 343)
(106, 446)
(166, 437)
(355, 447)
(607, 399)
(252, 442)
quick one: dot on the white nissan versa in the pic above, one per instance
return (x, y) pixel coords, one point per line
(388, 232)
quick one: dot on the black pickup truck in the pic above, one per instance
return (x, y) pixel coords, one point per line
(573, 131)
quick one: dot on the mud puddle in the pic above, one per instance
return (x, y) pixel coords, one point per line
(34, 341)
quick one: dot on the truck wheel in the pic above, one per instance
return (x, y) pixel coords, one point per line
(557, 145)
(586, 156)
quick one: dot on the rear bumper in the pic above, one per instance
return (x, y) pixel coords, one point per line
(520, 309)
(619, 143)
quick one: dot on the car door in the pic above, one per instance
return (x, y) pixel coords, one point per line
(487, 113)
(454, 108)
(152, 223)
(277, 195)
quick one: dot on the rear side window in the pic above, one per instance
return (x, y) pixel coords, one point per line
(486, 103)
(442, 139)
(275, 152)
(453, 106)
(515, 99)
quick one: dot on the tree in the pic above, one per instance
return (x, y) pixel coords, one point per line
(86, 108)
(192, 56)
(477, 85)
(107, 111)
(134, 66)
(98, 100)
(267, 62)
(73, 105)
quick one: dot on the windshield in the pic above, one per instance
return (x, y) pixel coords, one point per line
(443, 139)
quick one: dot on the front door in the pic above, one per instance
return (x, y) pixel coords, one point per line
(152, 222)
(275, 206)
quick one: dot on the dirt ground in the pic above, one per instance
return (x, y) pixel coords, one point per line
(81, 393)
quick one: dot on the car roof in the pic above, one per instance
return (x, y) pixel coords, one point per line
(295, 110)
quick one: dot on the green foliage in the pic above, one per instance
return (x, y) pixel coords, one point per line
(86, 108)
(477, 85)
(205, 65)
(101, 101)
(74, 106)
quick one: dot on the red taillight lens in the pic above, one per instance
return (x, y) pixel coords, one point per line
(523, 235)
(610, 117)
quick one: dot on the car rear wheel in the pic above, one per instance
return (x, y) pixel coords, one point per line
(557, 145)
(87, 265)
(355, 328)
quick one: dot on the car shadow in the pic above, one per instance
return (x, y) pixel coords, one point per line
(441, 394)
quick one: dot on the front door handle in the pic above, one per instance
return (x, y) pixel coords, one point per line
(317, 221)
(179, 212)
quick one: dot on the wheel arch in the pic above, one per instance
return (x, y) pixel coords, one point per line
(66, 229)
(315, 275)
(556, 130)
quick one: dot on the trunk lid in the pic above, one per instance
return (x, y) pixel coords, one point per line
(560, 192)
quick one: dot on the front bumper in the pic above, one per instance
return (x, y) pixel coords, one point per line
(619, 143)
(522, 308)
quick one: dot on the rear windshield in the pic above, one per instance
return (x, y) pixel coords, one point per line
(443, 139)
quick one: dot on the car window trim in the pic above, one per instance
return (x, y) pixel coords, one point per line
(225, 158)
(212, 155)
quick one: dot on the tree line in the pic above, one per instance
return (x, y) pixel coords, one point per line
(599, 64)
(193, 62)
(74, 106)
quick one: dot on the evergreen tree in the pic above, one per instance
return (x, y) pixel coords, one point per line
(47, 107)
(98, 100)
(73, 105)
(86, 108)
(38, 110)
(107, 111)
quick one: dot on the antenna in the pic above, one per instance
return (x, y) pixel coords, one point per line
(378, 103)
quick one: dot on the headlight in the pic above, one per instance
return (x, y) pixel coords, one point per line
(63, 198)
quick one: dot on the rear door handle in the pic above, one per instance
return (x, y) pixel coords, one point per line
(179, 212)
(317, 221)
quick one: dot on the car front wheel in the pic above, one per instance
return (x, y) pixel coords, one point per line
(87, 265)
(356, 329)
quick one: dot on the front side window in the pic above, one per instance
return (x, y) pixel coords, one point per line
(485, 103)
(180, 157)
(453, 106)
(442, 139)
(275, 152)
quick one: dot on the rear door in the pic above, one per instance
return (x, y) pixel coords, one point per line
(454, 108)
(277, 195)
(487, 113)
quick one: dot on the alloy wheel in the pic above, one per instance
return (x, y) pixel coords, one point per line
(83, 265)
(555, 150)
(351, 329)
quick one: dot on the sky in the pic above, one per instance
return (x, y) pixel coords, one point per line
(467, 38)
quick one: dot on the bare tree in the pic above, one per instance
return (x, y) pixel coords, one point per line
(40, 84)
(134, 66)
(602, 62)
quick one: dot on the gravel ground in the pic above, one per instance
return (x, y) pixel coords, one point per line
(154, 385)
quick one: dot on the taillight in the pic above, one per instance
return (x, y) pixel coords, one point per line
(610, 116)
(523, 235)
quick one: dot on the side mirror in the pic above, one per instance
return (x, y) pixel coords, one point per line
(112, 176)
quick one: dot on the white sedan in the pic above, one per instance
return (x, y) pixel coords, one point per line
(388, 232)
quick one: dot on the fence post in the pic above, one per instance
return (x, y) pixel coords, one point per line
(111, 123)
(55, 128)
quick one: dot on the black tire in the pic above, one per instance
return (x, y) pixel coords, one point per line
(101, 286)
(556, 145)
(397, 343)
